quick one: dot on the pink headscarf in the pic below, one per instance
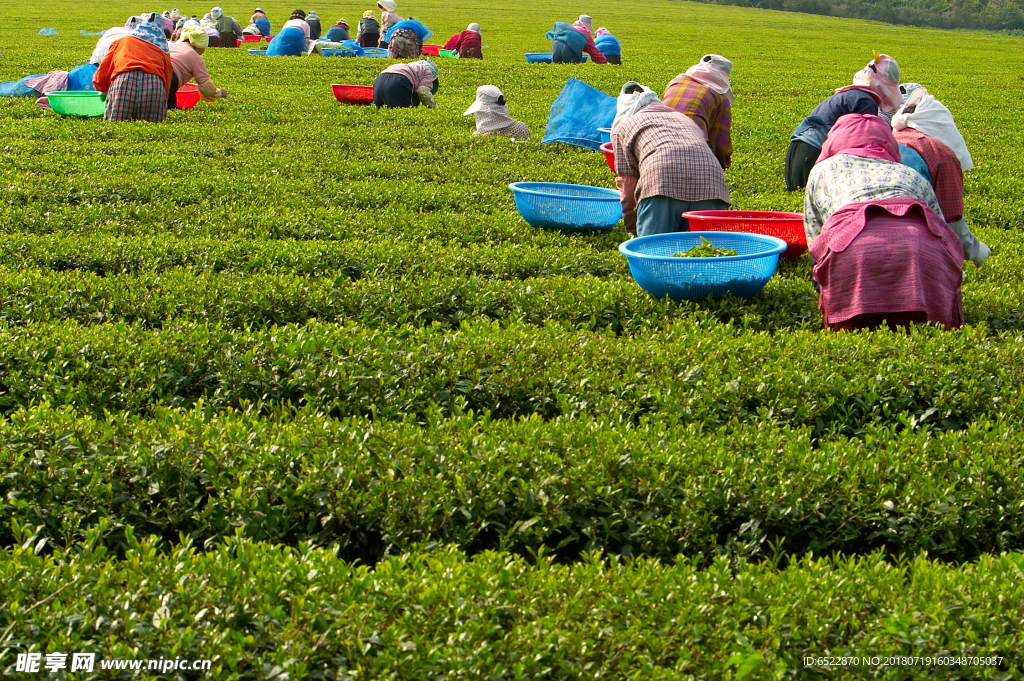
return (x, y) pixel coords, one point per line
(863, 135)
(603, 31)
(881, 79)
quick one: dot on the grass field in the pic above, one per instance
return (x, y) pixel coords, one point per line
(291, 386)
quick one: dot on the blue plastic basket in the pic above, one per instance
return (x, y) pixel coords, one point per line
(374, 52)
(742, 275)
(606, 135)
(337, 52)
(261, 53)
(572, 207)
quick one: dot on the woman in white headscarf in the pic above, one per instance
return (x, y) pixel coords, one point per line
(492, 116)
(663, 165)
(704, 93)
(925, 125)
(388, 18)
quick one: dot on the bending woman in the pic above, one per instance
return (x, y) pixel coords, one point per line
(405, 39)
(883, 253)
(402, 86)
(704, 93)
(187, 62)
(925, 125)
(136, 76)
(875, 88)
(663, 165)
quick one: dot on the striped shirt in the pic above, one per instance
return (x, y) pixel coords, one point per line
(669, 154)
(944, 168)
(708, 109)
(844, 179)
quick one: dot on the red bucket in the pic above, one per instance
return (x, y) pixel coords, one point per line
(609, 155)
(786, 226)
(252, 38)
(187, 96)
(432, 50)
(353, 94)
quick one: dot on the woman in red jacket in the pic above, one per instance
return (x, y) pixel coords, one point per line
(467, 43)
(135, 76)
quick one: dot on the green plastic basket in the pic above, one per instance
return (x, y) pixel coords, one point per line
(80, 104)
(447, 54)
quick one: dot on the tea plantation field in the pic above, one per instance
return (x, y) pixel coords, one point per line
(291, 386)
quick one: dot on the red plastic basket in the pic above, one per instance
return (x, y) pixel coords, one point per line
(353, 94)
(786, 226)
(432, 50)
(252, 38)
(609, 155)
(187, 96)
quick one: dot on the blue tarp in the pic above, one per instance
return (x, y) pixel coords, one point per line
(577, 114)
(17, 88)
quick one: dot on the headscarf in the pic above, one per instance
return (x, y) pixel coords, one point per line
(298, 14)
(388, 5)
(191, 23)
(180, 23)
(149, 32)
(907, 89)
(216, 13)
(603, 31)
(312, 15)
(931, 117)
(132, 22)
(586, 22)
(474, 27)
(862, 135)
(342, 22)
(490, 109)
(430, 65)
(368, 14)
(196, 35)
(175, 15)
(881, 78)
(151, 17)
(714, 70)
(629, 103)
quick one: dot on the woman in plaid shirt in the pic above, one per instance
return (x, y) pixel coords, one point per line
(704, 94)
(663, 165)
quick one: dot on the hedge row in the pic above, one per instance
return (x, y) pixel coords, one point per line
(692, 372)
(570, 485)
(106, 255)
(258, 612)
(239, 300)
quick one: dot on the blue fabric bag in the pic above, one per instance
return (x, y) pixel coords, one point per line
(609, 46)
(577, 114)
(421, 31)
(80, 77)
(565, 33)
(288, 43)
